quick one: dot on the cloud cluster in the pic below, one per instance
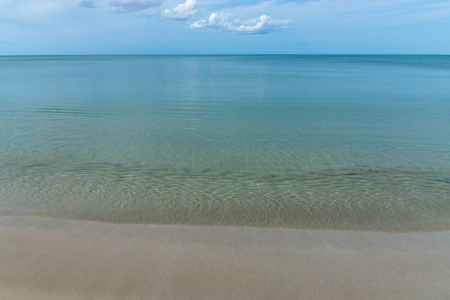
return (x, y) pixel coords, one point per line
(217, 20)
(181, 11)
(263, 24)
(128, 6)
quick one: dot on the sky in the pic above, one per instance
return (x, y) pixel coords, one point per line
(39, 27)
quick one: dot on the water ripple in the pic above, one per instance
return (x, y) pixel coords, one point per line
(355, 199)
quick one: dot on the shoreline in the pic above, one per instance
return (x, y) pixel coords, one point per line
(44, 258)
(368, 229)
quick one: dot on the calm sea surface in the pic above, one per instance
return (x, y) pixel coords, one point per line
(328, 142)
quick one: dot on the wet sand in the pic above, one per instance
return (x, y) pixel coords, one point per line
(60, 259)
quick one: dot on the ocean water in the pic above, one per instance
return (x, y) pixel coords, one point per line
(324, 142)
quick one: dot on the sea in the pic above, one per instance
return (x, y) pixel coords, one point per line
(335, 142)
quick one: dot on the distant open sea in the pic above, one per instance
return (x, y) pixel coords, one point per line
(322, 142)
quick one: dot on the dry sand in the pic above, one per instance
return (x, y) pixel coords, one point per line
(59, 259)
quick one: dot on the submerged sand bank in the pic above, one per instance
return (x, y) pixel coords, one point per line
(59, 259)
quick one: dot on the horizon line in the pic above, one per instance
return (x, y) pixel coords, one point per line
(235, 54)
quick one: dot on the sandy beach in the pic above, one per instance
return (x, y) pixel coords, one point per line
(58, 259)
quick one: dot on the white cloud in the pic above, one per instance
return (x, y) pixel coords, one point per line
(181, 11)
(263, 24)
(128, 6)
(88, 4)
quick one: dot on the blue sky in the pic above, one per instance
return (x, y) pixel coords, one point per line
(223, 26)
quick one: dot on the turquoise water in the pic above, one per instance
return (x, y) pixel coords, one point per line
(328, 142)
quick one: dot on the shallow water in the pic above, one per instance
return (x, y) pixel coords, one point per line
(335, 142)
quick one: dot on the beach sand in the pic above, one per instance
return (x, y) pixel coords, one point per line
(59, 259)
